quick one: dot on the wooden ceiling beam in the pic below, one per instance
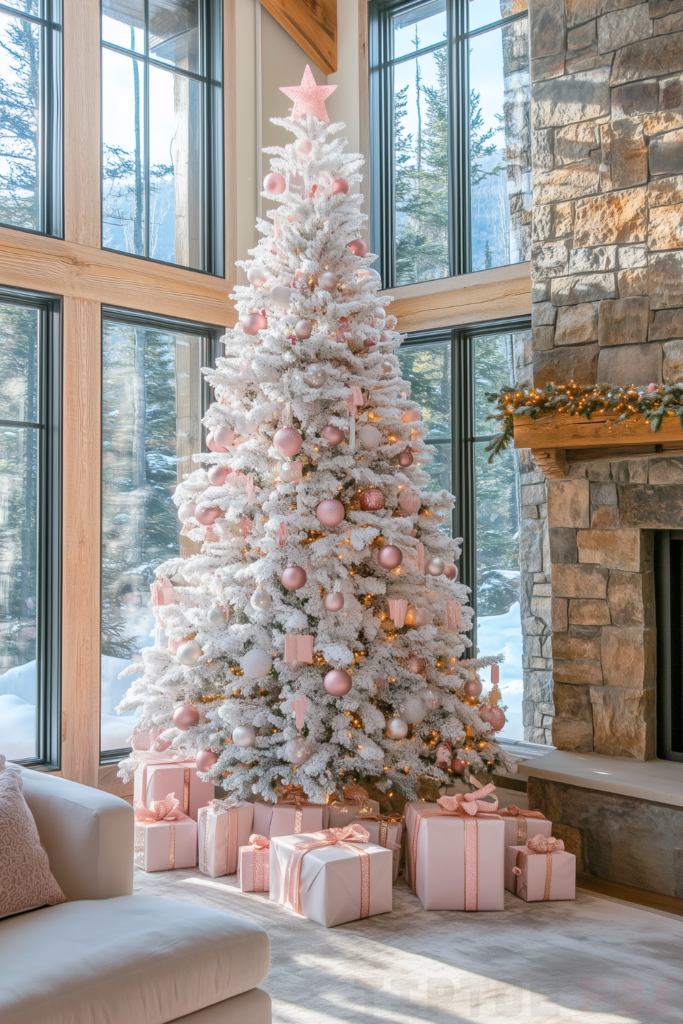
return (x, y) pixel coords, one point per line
(312, 24)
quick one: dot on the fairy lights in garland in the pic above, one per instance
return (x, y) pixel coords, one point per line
(652, 402)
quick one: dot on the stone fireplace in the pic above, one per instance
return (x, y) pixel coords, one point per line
(607, 273)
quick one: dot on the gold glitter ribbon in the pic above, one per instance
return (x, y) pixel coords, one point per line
(344, 837)
(512, 811)
(538, 846)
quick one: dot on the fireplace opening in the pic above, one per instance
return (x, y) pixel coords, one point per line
(668, 558)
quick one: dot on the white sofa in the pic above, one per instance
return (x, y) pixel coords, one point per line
(109, 956)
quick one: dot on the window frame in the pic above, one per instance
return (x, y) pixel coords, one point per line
(213, 158)
(381, 173)
(210, 334)
(49, 515)
(51, 128)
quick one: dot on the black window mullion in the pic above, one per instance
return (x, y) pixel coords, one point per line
(459, 164)
(464, 513)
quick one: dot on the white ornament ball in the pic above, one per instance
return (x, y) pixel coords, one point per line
(216, 617)
(243, 736)
(261, 600)
(329, 281)
(413, 709)
(256, 663)
(224, 436)
(298, 750)
(315, 377)
(280, 295)
(188, 654)
(435, 566)
(369, 436)
(186, 510)
(397, 729)
(287, 474)
(245, 426)
(256, 276)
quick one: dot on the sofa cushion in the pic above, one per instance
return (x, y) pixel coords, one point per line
(130, 959)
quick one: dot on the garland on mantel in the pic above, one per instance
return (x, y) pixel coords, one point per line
(652, 401)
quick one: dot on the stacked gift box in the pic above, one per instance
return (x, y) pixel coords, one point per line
(167, 798)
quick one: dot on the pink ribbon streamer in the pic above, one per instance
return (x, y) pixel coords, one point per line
(343, 837)
(397, 610)
(282, 535)
(162, 592)
(250, 490)
(453, 614)
(259, 845)
(420, 556)
(298, 705)
(444, 754)
(512, 811)
(357, 395)
(245, 526)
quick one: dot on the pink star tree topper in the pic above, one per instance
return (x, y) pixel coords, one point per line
(309, 97)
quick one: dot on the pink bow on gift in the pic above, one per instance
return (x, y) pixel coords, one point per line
(470, 803)
(545, 844)
(343, 837)
(161, 810)
(513, 811)
(259, 842)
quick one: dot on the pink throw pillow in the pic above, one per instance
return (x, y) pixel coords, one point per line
(26, 881)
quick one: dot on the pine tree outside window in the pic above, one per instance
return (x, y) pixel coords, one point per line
(450, 137)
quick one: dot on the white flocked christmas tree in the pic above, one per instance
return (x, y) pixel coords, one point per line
(317, 639)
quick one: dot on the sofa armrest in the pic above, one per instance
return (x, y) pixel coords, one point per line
(88, 835)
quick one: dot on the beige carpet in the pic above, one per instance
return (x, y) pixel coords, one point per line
(594, 961)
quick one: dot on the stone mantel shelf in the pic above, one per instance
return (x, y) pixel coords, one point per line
(659, 782)
(559, 439)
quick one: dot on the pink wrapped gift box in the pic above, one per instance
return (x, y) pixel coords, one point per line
(223, 826)
(459, 863)
(541, 870)
(337, 884)
(522, 825)
(253, 872)
(155, 779)
(288, 819)
(165, 838)
(387, 832)
(343, 812)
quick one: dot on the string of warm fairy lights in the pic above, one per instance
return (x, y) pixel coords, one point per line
(651, 402)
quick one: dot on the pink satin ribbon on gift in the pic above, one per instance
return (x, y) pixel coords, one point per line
(145, 758)
(539, 844)
(344, 837)
(225, 806)
(512, 811)
(161, 810)
(260, 845)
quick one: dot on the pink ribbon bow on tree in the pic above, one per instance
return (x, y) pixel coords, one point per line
(344, 837)
(161, 810)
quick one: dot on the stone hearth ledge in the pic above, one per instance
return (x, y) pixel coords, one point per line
(659, 782)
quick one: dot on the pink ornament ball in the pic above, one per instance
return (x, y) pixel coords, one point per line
(333, 602)
(412, 416)
(305, 147)
(217, 476)
(303, 329)
(330, 512)
(205, 515)
(340, 187)
(252, 323)
(418, 666)
(205, 760)
(337, 683)
(333, 435)
(390, 556)
(405, 459)
(473, 687)
(410, 502)
(329, 281)
(358, 247)
(293, 577)
(435, 567)
(371, 499)
(494, 716)
(212, 446)
(288, 441)
(224, 436)
(652, 388)
(458, 765)
(185, 717)
(274, 184)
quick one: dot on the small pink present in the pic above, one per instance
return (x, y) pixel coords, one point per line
(298, 648)
(541, 870)
(162, 592)
(165, 838)
(288, 818)
(253, 871)
(223, 826)
(156, 776)
(344, 812)
(519, 825)
(385, 830)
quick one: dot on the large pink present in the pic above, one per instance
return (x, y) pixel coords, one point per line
(155, 777)
(288, 819)
(331, 877)
(519, 825)
(165, 838)
(223, 826)
(253, 871)
(541, 870)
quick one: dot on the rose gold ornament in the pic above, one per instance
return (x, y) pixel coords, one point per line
(217, 475)
(298, 749)
(473, 687)
(458, 765)
(205, 760)
(358, 247)
(224, 436)
(450, 572)
(412, 416)
(494, 716)
(333, 602)
(397, 728)
(418, 666)
(410, 502)
(390, 556)
(288, 441)
(274, 184)
(211, 444)
(305, 147)
(337, 682)
(386, 367)
(333, 435)
(330, 512)
(303, 329)
(405, 459)
(293, 577)
(329, 281)
(252, 323)
(371, 499)
(340, 186)
(185, 717)
(435, 566)
(205, 515)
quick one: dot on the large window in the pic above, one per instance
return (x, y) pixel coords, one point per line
(450, 373)
(451, 146)
(30, 115)
(153, 399)
(162, 178)
(29, 528)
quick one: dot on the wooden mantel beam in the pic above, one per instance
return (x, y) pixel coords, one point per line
(312, 24)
